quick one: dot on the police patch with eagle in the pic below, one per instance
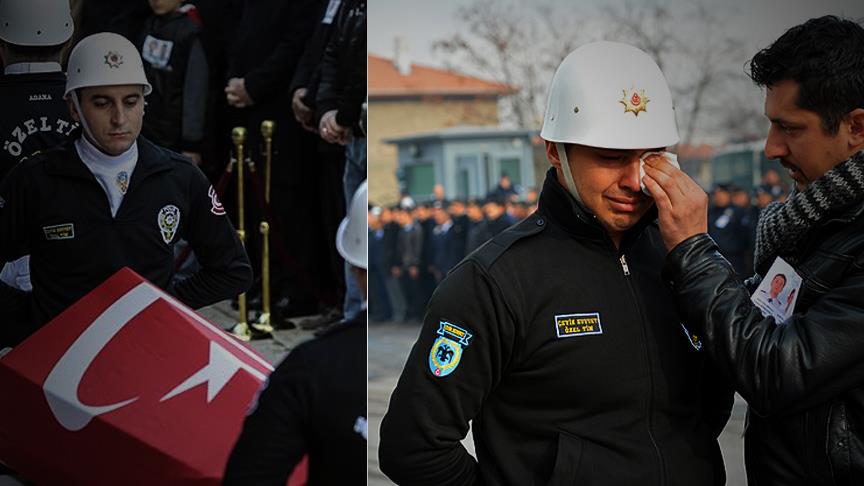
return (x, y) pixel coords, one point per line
(447, 350)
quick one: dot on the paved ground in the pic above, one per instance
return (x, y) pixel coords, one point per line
(389, 345)
(275, 349)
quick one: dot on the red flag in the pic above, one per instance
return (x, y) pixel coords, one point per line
(127, 386)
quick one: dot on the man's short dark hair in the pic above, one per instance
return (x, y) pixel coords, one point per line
(825, 56)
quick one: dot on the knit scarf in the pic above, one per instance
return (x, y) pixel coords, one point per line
(784, 225)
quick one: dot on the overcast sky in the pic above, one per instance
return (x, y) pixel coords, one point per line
(421, 22)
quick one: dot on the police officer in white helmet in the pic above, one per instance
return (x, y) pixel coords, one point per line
(33, 34)
(315, 401)
(552, 339)
(111, 199)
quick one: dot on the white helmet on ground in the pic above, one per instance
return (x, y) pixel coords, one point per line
(105, 59)
(353, 235)
(35, 23)
(609, 95)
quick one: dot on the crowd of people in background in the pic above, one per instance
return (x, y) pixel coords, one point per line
(413, 246)
(733, 213)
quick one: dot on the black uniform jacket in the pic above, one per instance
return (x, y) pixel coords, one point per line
(803, 379)
(315, 403)
(35, 116)
(52, 207)
(568, 357)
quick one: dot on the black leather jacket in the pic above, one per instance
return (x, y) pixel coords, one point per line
(804, 380)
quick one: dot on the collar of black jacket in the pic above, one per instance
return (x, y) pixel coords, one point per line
(560, 207)
(151, 159)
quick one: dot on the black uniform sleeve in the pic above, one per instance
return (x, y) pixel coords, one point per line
(15, 326)
(225, 269)
(273, 439)
(195, 91)
(429, 413)
(718, 397)
(812, 358)
(13, 216)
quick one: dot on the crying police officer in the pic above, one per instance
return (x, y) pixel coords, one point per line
(557, 339)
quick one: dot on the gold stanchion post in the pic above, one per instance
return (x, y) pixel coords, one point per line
(238, 136)
(264, 323)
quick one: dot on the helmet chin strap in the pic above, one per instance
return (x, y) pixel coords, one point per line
(87, 132)
(568, 175)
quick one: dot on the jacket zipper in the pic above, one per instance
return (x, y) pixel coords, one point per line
(650, 408)
(624, 266)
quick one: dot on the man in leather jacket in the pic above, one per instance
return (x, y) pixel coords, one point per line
(803, 379)
(557, 339)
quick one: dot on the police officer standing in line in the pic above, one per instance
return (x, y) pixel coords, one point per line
(557, 339)
(35, 117)
(32, 38)
(111, 199)
(313, 403)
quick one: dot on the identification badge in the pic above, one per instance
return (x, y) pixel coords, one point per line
(64, 231)
(572, 325)
(157, 51)
(778, 291)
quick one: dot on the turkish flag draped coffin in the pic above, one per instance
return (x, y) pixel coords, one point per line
(127, 386)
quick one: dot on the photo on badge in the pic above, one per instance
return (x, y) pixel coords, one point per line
(778, 291)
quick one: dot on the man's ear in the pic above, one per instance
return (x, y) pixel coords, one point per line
(552, 154)
(855, 118)
(72, 110)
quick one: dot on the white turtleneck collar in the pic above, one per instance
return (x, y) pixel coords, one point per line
(113, 172)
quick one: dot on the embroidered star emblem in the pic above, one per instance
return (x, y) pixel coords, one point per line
(113, 59)
(634, 101)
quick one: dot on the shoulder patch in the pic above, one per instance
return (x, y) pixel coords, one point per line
(215, 206)
(446, 352)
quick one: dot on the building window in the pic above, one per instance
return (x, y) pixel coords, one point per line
(420, 178)
(513, 168)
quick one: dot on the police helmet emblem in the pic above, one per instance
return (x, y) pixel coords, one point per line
(446, 352)
(113, 59)
(634, 101)
(169, 221)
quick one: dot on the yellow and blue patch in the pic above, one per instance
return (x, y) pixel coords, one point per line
(446, 352)
(570, 325)
(694, 339)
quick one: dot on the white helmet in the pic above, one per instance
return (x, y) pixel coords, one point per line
(609, 95)
(352, 237)
(105, 59)
(35, 23)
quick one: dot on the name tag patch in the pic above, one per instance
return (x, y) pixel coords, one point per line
(59, 232)
(571, 325)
